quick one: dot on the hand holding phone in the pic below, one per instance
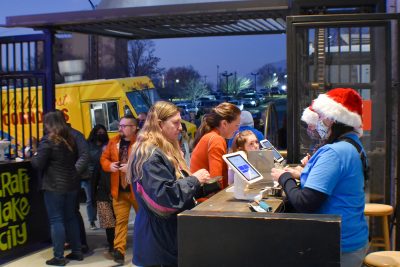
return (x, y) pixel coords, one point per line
(114, 166)
(123, 167)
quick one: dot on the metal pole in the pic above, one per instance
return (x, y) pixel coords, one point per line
(49, 91)
(226, 75)
(218, 78)
(255, 80)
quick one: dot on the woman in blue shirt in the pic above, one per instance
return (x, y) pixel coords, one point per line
(332, 181)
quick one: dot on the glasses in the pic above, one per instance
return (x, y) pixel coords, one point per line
(123, 126)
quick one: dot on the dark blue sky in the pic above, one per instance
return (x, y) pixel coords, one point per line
(242, 54)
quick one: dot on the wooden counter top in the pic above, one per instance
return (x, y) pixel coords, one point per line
(225, 202)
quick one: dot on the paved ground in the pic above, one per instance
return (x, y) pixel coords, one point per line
(97, 257)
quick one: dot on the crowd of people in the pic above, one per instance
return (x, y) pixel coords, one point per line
(146, 167)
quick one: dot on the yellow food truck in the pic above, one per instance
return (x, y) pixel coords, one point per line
(84, 103)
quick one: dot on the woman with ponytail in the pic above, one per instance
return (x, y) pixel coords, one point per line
(210, 145)
(162, 184)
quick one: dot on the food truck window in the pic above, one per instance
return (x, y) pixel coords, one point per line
(127, 111)
(105, 113)
(141, 100)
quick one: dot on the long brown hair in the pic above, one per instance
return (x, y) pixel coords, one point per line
(151, 137)
(58, 130)
(224, 111)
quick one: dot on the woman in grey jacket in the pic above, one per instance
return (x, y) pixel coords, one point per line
(55, 159)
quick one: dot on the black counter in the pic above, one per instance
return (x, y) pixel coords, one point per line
(213, 234)
(23, 219)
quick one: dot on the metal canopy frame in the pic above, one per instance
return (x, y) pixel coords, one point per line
(167, 21)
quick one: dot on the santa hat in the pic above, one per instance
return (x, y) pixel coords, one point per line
(343, 105)
(309, 116)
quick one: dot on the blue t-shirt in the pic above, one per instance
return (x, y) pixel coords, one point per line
(336, 170)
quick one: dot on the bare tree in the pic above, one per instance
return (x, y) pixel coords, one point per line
(181, 76)
(233, 87)
(141, 59)
(271, 81)
(195, 89)
(270, 75)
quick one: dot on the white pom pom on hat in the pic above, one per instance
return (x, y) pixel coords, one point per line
(309, 116)
(342, 105)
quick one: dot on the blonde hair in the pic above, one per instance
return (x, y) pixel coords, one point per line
(240, 140)
(150, 137)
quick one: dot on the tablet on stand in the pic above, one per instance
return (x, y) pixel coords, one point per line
(244, 175)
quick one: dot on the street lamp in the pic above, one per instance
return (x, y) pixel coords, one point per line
(226, 75)
(255, 80)
(218, 78)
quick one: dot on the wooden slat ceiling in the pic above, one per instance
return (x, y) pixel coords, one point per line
(185, 20)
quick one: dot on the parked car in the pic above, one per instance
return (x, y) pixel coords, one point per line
(238, 103)
(250, 100)
(261, 97)
(188, 107)
(277, 91)
(265, 91)
(207, 97)
(205, 105)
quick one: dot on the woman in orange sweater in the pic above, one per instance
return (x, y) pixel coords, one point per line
(210, 144)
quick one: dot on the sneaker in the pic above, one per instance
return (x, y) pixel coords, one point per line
(57, 261)
(93, 226)
(119, 257)
(75, 256)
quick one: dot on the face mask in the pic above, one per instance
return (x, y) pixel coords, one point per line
(102, 138)
(313, 134)
(141, 123)
(322, 130)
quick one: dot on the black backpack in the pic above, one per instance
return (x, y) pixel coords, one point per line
(362, 155)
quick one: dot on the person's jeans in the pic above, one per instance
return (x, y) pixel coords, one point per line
(355, 258)
(91, 211)
(63, 221)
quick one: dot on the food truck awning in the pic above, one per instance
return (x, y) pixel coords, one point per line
(167, 21)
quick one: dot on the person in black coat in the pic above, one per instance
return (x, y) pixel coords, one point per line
(162, 185)
(101, 183)
(81, 166)
(56, 159)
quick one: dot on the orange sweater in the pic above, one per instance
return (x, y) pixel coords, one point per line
(208, 155)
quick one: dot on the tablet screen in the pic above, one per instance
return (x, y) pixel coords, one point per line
(267, 144)
(243, 167)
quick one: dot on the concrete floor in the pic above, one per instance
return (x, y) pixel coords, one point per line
(97, 257)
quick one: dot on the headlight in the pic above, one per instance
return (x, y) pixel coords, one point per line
(252, 102)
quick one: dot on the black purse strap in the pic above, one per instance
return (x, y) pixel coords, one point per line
(361, 153)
